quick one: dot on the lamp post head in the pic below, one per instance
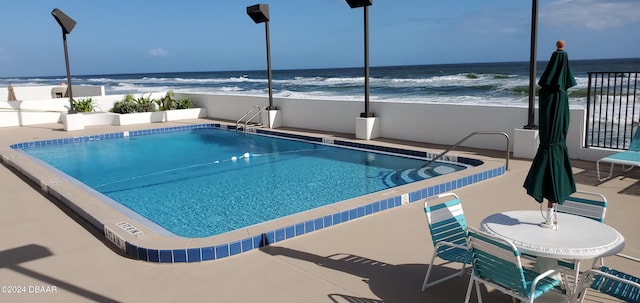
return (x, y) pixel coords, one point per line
(65, 21)
(359, 3)
(259, 13)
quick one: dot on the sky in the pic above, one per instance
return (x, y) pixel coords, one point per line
(119, 37)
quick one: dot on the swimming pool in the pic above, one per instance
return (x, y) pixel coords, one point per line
(207, 181)
(138, 241)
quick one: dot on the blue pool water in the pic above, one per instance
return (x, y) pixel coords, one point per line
(208, 181)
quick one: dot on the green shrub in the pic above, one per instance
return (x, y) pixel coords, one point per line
(145, 104)
(125, 106)
(166, 102)
(183, 103)
(84, 105)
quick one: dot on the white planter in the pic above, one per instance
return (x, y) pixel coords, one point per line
(525, 143)
(182, 114)
(99, 118)
(367, 128)
(271, 118)
(139, 118)
(73, 121)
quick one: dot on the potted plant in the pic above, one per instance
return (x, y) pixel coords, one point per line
(133, 110)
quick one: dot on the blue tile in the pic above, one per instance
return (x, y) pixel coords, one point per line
(193, 255)
(280, 235)
(235, 248)
(247, 244)
(207, 253)
(222, 251)
(131, 250)
(368, 209)
(415, 196)
(353, 213)
(337, 218)
(309, 226)
(398, 200)
(328, 221)
(360, 212)
(344, 216)
(166, 256)
(299, 229)
(384, 205)
(142, 254)
(317, 224)
(391, 202)
(153, 255)
(269, 237)
(179, 255)
(258, 241)
(290, 232)
(375, 206)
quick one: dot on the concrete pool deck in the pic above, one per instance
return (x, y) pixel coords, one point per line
(378, 258)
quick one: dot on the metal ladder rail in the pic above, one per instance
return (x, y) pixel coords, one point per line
(247, 113)
(251, 118)
(469, 136)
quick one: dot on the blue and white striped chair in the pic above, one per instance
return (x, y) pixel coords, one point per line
(447, 226)
(611, 282)
(496, 263)
(586, 204)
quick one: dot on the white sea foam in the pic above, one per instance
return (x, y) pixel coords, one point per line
(500, 84)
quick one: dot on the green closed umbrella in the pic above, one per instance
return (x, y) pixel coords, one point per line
(550, 176)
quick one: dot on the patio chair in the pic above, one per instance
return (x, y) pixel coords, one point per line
(630, 157)
(496, 263)
(612, 282)
(447, 226)
(586, 204)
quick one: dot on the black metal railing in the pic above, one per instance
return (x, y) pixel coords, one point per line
(612, 109)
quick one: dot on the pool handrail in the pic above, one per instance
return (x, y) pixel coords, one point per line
(260, 109)
(506, 166)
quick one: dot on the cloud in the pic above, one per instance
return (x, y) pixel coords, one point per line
(592, 14)
(158, 52)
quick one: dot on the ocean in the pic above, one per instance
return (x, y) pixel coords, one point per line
(497, 84)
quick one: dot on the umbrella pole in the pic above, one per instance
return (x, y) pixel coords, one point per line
(551, 219)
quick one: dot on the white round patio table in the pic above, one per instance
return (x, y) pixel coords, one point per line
(575, 237)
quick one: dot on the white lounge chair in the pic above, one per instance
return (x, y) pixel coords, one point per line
(630, 157)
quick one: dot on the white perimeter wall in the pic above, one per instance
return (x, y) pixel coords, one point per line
(433, 123)
(44, 92)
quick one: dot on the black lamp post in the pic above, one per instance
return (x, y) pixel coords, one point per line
(365, 4)
(532, 66)
(67, 24)
(259, 13)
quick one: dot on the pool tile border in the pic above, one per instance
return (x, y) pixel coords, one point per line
(224, 250)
